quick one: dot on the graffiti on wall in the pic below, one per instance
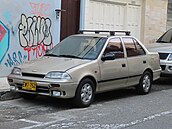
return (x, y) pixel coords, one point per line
(36, 51)
(15, 59)
(40, 9)
(26, 30)
(34, 31)
(4, 40)
(35, 35)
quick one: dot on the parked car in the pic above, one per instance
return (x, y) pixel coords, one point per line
(85, 64)
(164, 47)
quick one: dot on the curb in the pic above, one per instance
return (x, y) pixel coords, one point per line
(5, 92)
(8, 95)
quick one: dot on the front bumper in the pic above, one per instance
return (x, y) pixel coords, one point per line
(46, 87)
(166, 67)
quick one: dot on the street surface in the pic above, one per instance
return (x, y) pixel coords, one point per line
(112, 110)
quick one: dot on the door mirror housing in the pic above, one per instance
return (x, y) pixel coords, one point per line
(108, 56)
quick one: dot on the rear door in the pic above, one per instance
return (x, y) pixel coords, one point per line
(136, 59)
(114, 73)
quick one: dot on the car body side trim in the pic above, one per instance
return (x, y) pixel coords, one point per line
(119, 78)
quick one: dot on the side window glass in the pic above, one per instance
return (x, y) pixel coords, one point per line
(130, 47)
(140, 50)
(166, 38)
(133, 48)
(115, 46)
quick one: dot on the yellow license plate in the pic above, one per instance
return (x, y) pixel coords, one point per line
(29, 85)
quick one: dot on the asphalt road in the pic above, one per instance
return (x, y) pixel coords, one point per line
(112, 110)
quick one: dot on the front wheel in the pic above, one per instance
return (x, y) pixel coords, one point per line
(145, 83)
(85, 93)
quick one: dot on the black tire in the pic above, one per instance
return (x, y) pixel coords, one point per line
(28, 96)
(85, 93)
(145, 83)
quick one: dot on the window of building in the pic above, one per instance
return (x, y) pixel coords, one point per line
(169, 11)
(169, 14)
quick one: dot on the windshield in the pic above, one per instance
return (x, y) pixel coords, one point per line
(83, 47)
(166, 38)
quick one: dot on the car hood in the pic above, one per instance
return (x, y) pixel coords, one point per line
(47, 64)
(160, 47)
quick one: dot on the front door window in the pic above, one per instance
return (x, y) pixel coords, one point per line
(115, 46)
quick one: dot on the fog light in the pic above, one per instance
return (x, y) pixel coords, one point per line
(170, 67)
(56, 93)
(10, 80)
(12, 88)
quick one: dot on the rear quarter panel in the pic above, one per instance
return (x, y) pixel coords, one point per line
(154, 64)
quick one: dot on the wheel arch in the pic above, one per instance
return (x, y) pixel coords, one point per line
(77, 99)
(91, 78)
(144, 85)
(151, 72)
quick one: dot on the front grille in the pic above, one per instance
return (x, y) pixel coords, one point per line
(163, 67)
(163, 56)
(33, 75)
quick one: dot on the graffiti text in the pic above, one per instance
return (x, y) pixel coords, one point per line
(15, 59)
(40, 9)
(37, 51)
(34, 30)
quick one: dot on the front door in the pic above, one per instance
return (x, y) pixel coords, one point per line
(114, 73)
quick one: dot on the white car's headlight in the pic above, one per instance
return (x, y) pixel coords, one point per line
(16, 71)
(170, 57)
(57, 75)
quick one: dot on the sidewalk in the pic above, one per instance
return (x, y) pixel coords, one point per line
(4, 84)
(5, 93)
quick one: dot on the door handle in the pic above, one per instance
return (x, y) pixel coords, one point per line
(144, 62)
(123, 65)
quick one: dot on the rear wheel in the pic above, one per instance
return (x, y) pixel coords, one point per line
(27, 96)
(145, 83)
(85, 93)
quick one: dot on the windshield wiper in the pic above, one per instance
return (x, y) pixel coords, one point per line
(70, 56)
(51, 55)
(160, 41)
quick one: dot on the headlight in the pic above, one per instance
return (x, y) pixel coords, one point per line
(16, 71)
(170, 57)
(57, 75)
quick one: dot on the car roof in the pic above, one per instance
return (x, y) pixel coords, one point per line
(102, 33)
(92, 35)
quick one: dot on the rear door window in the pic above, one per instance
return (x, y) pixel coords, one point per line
(133, 48)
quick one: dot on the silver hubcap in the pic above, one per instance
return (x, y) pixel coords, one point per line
(146, 83)
(86, 93)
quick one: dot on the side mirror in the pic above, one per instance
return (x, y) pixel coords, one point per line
(108, 56)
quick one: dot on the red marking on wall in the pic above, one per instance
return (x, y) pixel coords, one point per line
(40, 9)
(2, 32)
(37, 51)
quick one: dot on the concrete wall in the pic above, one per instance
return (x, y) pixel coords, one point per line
(27, 29)
(154, 18)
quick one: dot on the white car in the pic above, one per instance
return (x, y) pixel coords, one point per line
(85, 64)
(164, 47)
